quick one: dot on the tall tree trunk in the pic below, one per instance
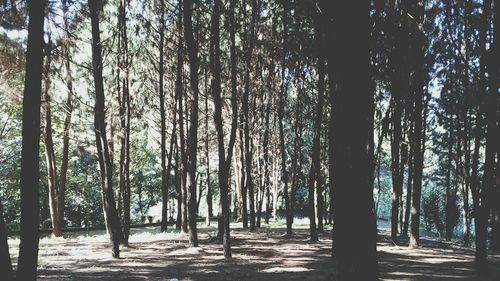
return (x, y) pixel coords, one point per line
(224, 160)
(399, 89)
(355, 226)
(112, 219)
(478, 193)
(163, 141)
(314, 173)
(125, 123)
(30, 172)
(466, 136)
(49, 147)
(179, 91)
(281, 112)
(250, 41)
(192, 137)
(418, 136)
(57, 182)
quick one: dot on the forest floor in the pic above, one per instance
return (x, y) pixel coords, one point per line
(266, 254)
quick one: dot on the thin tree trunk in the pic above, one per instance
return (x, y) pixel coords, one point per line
(249, 185)
(281, 112)
(207, 159)
(179, 91)
(125, 125)
(112, 219)
(163, 141)
(408, 192)
(450, 199)
(224, 160)
(49, 147)
(192, 138)
(314, 173)
(418, 136)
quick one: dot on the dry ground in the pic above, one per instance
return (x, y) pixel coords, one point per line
(262, 255)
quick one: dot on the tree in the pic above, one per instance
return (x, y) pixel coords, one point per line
(163, 141)
(314, 173)
(224, 160)
(30, 172)
(57, 181)
(354, 218)
(281, 109)
(479, 195)
(124, 112)
(250, 41)
(192, 136)
(111, 215)
(417, 139)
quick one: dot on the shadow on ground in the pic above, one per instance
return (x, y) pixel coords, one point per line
(266, 254)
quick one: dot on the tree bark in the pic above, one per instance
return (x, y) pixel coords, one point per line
(354, 223)
(281, 112)
(192, 138)
(124, 99)
(314, 173)
(163, 141)
(112, 219)
(418, 137)
(478, 192)
(249, 184)
(49, 147)
(224, 160)
(57, 182)
(30, 172)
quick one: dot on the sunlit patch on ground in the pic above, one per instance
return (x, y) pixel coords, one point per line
(266, 254)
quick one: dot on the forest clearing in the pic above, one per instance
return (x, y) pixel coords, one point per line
(267, 254)
(249, 140)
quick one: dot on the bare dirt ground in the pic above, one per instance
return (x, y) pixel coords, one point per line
(266, 254)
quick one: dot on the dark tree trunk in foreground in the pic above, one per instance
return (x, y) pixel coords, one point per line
(354, 221)
(30, 172)
(192, 137)
(112, 220)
